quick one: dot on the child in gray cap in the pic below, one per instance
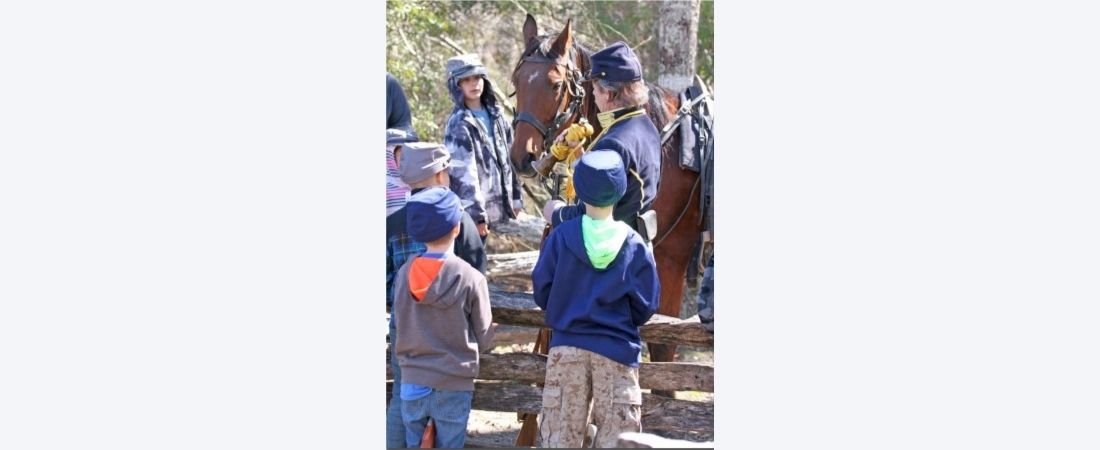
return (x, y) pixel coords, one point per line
(478, 135)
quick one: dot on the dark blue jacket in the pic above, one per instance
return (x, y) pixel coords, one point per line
(636, 140)
(597, 310)
(397, 107)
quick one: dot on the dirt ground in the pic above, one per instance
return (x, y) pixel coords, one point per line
(492, 429)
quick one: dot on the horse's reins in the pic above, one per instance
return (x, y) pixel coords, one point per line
(573, 88)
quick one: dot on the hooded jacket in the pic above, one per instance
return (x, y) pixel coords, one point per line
(487, 181)
(400, 247)
(443, 317)
(596, 310)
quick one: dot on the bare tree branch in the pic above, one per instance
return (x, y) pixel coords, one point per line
(405, 41)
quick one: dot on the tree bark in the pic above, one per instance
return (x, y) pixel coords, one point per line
(677, 38)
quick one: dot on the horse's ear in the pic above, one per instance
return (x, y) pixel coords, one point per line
(530, 29)
(564, 41)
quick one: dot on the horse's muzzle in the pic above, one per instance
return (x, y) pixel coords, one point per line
(527, 168)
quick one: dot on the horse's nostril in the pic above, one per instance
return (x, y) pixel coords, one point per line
(527, 168)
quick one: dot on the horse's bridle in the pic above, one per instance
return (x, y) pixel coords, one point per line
(573, 88)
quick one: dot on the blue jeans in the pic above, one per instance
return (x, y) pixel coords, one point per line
(395, 428)
(449, 409)
(706, 294)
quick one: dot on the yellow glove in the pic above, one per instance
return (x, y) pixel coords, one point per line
(562, 151)
(574, 138)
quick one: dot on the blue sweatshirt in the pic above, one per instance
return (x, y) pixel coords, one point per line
(596, 310)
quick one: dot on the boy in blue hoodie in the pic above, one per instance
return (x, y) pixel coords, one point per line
(597, 282)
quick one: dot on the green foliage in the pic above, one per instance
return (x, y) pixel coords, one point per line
(416, 53)
(704, 57)
(418, 62)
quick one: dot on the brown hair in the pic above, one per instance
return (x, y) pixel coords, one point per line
(626, 93)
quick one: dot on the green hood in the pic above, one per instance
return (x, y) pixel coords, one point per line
(603, 239)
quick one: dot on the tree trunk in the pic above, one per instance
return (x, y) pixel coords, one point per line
(677, 39)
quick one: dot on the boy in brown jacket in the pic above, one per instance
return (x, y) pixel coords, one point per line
(441, 308)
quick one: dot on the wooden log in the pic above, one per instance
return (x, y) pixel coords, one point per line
(663, 413)
(505, 264)
(528, 229)
(515, 308)
(676, 376)
(531, 368)
(670, 330)
(513, 283)
(513, 335)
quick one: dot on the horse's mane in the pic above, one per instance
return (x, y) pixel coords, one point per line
(656, 104)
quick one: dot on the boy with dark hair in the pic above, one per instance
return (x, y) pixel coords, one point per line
(441, 306)
(597, 281)
(478, 135)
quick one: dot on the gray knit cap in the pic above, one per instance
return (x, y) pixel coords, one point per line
(463, 66)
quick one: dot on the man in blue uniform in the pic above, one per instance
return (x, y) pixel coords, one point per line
(620, 95)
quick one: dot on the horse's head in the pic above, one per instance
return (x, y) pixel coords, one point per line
(549, 95)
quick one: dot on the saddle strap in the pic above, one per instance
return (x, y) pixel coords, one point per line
(684, 111)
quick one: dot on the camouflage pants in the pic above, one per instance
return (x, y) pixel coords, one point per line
(582, 385)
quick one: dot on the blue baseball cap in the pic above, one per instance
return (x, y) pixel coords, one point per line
(432, 213)
(616, 62)
(599, 178)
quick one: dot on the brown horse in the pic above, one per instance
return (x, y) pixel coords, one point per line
(548, 100)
